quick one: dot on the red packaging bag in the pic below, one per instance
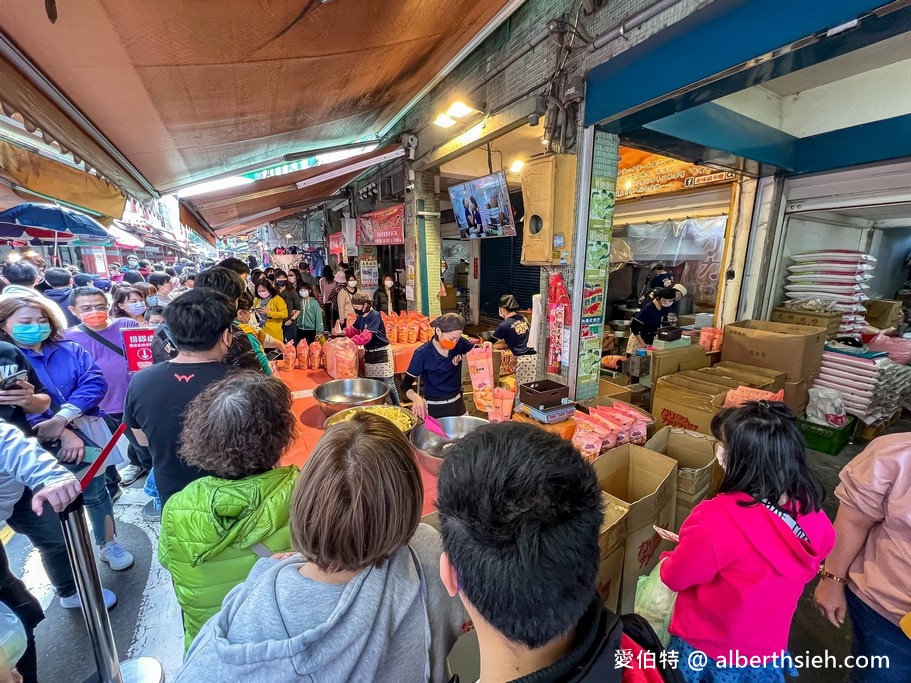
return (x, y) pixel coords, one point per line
(392, 330)
(480, 370)
(425, 331)
(503, 400)
(303, 355)
(589, 436)
(341, 359)
(289, 357)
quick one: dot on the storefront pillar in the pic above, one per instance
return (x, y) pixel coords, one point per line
(599, 156)
(422, 244)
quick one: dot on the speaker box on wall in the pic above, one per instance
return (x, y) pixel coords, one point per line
(549, 194)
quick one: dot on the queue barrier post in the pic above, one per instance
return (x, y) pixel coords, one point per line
(80, 549)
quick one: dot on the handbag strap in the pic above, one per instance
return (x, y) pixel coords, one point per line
(101, 340)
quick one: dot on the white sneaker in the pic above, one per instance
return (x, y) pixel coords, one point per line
(116, 556)
(74, 602)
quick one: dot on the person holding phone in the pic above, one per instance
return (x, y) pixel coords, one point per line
(76, 387)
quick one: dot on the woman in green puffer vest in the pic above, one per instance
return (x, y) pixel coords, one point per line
(214, 531)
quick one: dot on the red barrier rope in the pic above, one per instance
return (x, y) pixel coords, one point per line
(105, 452)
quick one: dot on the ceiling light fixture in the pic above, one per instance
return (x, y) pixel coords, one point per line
(516, 166)
(459, 110)
(444, 121)
(288, 235)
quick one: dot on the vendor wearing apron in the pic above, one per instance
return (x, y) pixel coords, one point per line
(369, 331)
(650, 319)
(438, 364)
(513, 335)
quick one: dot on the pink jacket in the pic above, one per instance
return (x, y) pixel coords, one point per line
(739, 572)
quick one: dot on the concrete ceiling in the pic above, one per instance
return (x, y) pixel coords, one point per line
(518, 145)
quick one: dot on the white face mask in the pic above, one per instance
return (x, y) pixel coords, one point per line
(305, 294)
(352, 283)
(720, 452)
(388, 284)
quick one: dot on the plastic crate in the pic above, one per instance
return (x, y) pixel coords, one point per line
(826, 439)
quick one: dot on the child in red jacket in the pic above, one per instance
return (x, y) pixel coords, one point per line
(746, 555)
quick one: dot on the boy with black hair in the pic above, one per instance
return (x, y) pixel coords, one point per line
(21, 278)
(238, 266)
(61, 286)
(199, 323)
(520, 513)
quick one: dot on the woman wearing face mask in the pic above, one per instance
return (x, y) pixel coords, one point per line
(369, 331)
(292, 302)
(310, 320)
(388, 298)
(149, 294)
(438, 364)
(649, 319)
(270, 308)
(512, 334)
(745, 556)
(129, 303)
(77, 387)
(344, 298)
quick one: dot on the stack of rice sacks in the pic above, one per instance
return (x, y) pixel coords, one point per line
(838, 276)
(872, 388)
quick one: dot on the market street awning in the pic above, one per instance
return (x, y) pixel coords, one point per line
(36, 178)
(240, 208)
(179, 91)
(122, 238)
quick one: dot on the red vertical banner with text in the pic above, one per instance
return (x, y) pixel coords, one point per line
(137, 345)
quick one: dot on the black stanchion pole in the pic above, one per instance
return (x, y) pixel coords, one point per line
(88, 583)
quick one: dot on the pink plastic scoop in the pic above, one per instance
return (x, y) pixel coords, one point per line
(435, 427)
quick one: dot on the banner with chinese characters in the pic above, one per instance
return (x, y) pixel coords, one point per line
(336, 243)
(643, 173)
(386, 226)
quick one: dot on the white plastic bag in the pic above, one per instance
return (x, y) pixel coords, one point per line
(12, 635)
(826, 407)
(655, 603)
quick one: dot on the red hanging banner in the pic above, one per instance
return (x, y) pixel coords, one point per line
(336, 243)
(386, 226)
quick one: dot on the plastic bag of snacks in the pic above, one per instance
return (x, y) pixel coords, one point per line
(425, 331)
(341, 359)
(655, 603)
(349, 320)
(503, 402)
(392, 330)
(413, 329)
(621, 433)
(316, 352)
(507, 363)
(737, 397)
(480, 369)
(826, 407)
(289, 357)
(591, 437)
(303, 355)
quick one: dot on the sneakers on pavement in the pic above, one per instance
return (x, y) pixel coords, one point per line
(131, 474)
(74, 602)
(116, 556)
(151, 511)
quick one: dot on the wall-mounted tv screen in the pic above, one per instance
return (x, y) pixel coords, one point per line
(482, 207)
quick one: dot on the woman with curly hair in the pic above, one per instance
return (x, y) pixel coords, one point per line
(215, 529)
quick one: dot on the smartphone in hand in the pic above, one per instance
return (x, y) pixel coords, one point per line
(12, 382)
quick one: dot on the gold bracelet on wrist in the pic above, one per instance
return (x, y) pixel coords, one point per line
(829, 575)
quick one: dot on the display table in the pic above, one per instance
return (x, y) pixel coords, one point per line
(302, 383)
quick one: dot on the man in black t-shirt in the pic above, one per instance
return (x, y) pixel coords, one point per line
(200, 326)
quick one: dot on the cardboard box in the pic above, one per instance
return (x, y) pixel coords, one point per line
(686, 403)
(637, 366)
(672, 361)
(744, 379)
(797, 395)
(681, 343)
(701, 320)
(882, 313)
(696, 464)
(793, 349)
(790, 316)
(777, 378)
(703, 376)
(645, 484)
(612, 543)
(611, 390)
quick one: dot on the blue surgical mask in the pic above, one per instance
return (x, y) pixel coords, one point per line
(31, 333)
(136, 308)
(152, 300)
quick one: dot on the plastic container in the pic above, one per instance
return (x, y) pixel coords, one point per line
(543, 394)
(826, 439)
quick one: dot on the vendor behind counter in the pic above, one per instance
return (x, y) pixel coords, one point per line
(650, 318)
(512, 334)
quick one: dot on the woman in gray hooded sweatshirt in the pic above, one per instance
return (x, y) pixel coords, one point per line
(361, 599)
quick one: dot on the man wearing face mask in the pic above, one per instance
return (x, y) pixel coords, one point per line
(200, 327)
(438, 364)
(650, 318)
(102, 337)
(369, 331)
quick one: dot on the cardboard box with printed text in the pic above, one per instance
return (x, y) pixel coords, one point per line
(795, 350)
(645, 484)
(686, 403)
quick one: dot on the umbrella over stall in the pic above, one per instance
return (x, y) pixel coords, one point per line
(10, 232)
(58, 218)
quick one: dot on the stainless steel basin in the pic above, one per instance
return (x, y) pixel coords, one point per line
(430, 448)
(340, 394)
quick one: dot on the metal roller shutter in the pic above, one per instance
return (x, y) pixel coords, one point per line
(502, 273)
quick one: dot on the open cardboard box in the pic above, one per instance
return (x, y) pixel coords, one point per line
(612, 543)
(696, 465)
(776, 378)
(645, 484)
(687, 403)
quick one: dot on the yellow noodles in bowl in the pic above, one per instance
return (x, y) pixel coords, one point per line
(396, 416)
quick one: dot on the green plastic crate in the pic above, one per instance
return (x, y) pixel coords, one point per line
(826, 439)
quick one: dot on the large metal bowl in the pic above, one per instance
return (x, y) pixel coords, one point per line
(343, 415)
(430, 448)
(341, 394)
